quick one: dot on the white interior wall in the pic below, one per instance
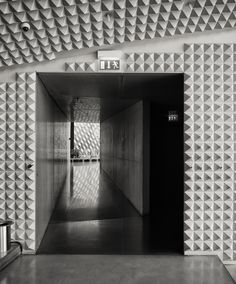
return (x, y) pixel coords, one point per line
(122, 153)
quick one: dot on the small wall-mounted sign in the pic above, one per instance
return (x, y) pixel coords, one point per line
(109, 64)
(173, 116)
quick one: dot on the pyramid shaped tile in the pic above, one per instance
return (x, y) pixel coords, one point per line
(57, 24)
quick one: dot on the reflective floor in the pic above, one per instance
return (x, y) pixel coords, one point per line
(91, 196)
(115, 269)
(94, 217)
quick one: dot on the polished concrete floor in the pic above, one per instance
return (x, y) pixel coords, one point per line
(107, 269)
(91, 196)
(94, 217)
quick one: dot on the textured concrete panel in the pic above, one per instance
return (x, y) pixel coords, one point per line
(17, 150)
(63, 25)
(153, 62)
(210, 150)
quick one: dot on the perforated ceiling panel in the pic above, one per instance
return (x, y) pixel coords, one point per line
(62, 25)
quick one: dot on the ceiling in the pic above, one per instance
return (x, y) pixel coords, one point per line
(63, 25)
(86, 97)
(96, 97)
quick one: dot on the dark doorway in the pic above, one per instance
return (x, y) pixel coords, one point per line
(113, 225)
(166, 165)
(166, 173)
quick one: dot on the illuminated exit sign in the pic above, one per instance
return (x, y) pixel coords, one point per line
(109, 64)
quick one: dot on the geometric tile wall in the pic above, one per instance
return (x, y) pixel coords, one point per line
(209, 140)
(63, 25)
(17, 150)
(210, 151)
(87, 138)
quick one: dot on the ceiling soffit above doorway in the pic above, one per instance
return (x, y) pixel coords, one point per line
(63, 25)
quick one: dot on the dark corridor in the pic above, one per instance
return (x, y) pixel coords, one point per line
(165, 101)
(166, 178)
(111, 225)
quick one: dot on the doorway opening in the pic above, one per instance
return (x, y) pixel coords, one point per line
(85, 141)
(125, 194)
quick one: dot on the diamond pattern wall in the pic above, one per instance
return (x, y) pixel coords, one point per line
(87, 138)
(63, 25)
(153, 62)
(17, 149)
(81, 67)
(210, 151)
(209, 216)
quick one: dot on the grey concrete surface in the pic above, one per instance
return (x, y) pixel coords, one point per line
(232, 270)
(122, 153)
(97, 269)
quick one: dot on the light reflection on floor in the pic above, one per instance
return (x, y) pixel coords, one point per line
(96, 217)
(92, 196)
(85, 189)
